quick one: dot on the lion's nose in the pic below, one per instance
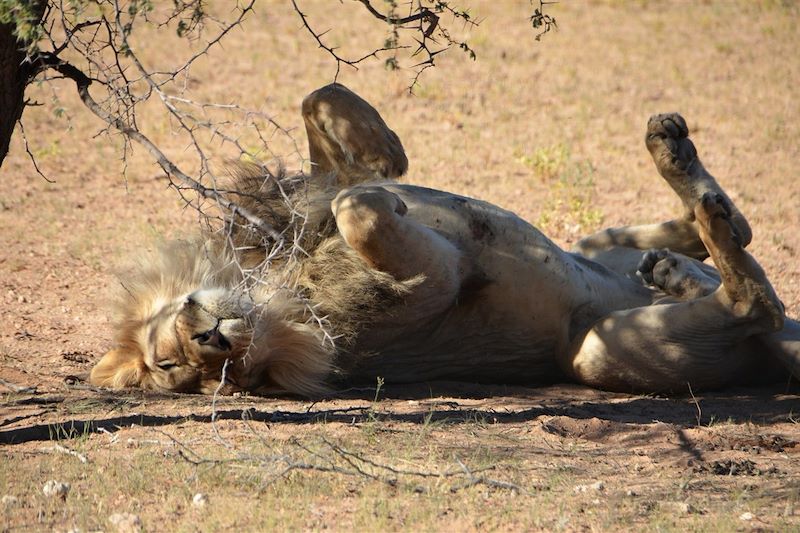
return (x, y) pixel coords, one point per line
(214, 338)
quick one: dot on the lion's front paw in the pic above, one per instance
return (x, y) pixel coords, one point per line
(668, 142)
(674, 274)
(365, 199)
(647, 264)
(670, 125)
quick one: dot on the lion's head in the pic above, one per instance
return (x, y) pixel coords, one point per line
(185, 312)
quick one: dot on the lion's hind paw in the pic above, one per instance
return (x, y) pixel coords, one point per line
(714, 213)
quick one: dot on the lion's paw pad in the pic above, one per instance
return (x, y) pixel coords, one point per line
(667, 125)
(667, 139)
(673, 274)
(714, 205)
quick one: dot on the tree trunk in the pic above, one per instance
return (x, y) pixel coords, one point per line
(13, 79)
(15, 75)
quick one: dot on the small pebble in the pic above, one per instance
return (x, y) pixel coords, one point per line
(9, 501)
(200, 500)
(55, 488)
(126, 522)
(596, 486)
(679, 507)
(746, 516)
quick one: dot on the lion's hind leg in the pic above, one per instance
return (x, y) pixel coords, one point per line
(745, 288)
(675, 157)
(703, 342)
(348, 137)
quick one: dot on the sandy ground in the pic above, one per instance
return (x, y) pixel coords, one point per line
(552, 130)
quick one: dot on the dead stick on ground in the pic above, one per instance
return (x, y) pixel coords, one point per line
(481, 480)
(63, 449)
(214, 404)
(16, 388)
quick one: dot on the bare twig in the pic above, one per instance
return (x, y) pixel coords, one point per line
(335, 459)
(222, 381)
(332, 51)
(699, 415)
(30, 154)
(424, 14)
(17, 388)
(481, 480)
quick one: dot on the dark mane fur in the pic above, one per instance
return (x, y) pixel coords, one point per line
(322, 268)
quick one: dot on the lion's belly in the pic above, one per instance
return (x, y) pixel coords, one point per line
(493, 357)
(479, 340)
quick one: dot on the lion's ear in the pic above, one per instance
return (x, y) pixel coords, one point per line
(118, 369)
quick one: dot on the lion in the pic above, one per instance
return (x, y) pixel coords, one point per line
(394, 281)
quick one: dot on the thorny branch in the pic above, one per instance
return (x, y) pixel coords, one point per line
(420, 31)
(332, 51)
(82, 82)
(93, 49)
(423, 23)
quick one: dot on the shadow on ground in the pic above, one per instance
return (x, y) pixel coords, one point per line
(416, 404)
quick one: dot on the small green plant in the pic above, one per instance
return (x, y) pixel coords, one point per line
(569, 207)
(373, 422)
(50, 150)
(378, 387)
(547, 162)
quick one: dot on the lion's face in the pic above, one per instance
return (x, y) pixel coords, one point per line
(191, 338)
(184, 312)
(181, 344)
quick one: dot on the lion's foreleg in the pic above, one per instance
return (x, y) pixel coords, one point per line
(678, 235)
(372, 221)
(620, 249)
